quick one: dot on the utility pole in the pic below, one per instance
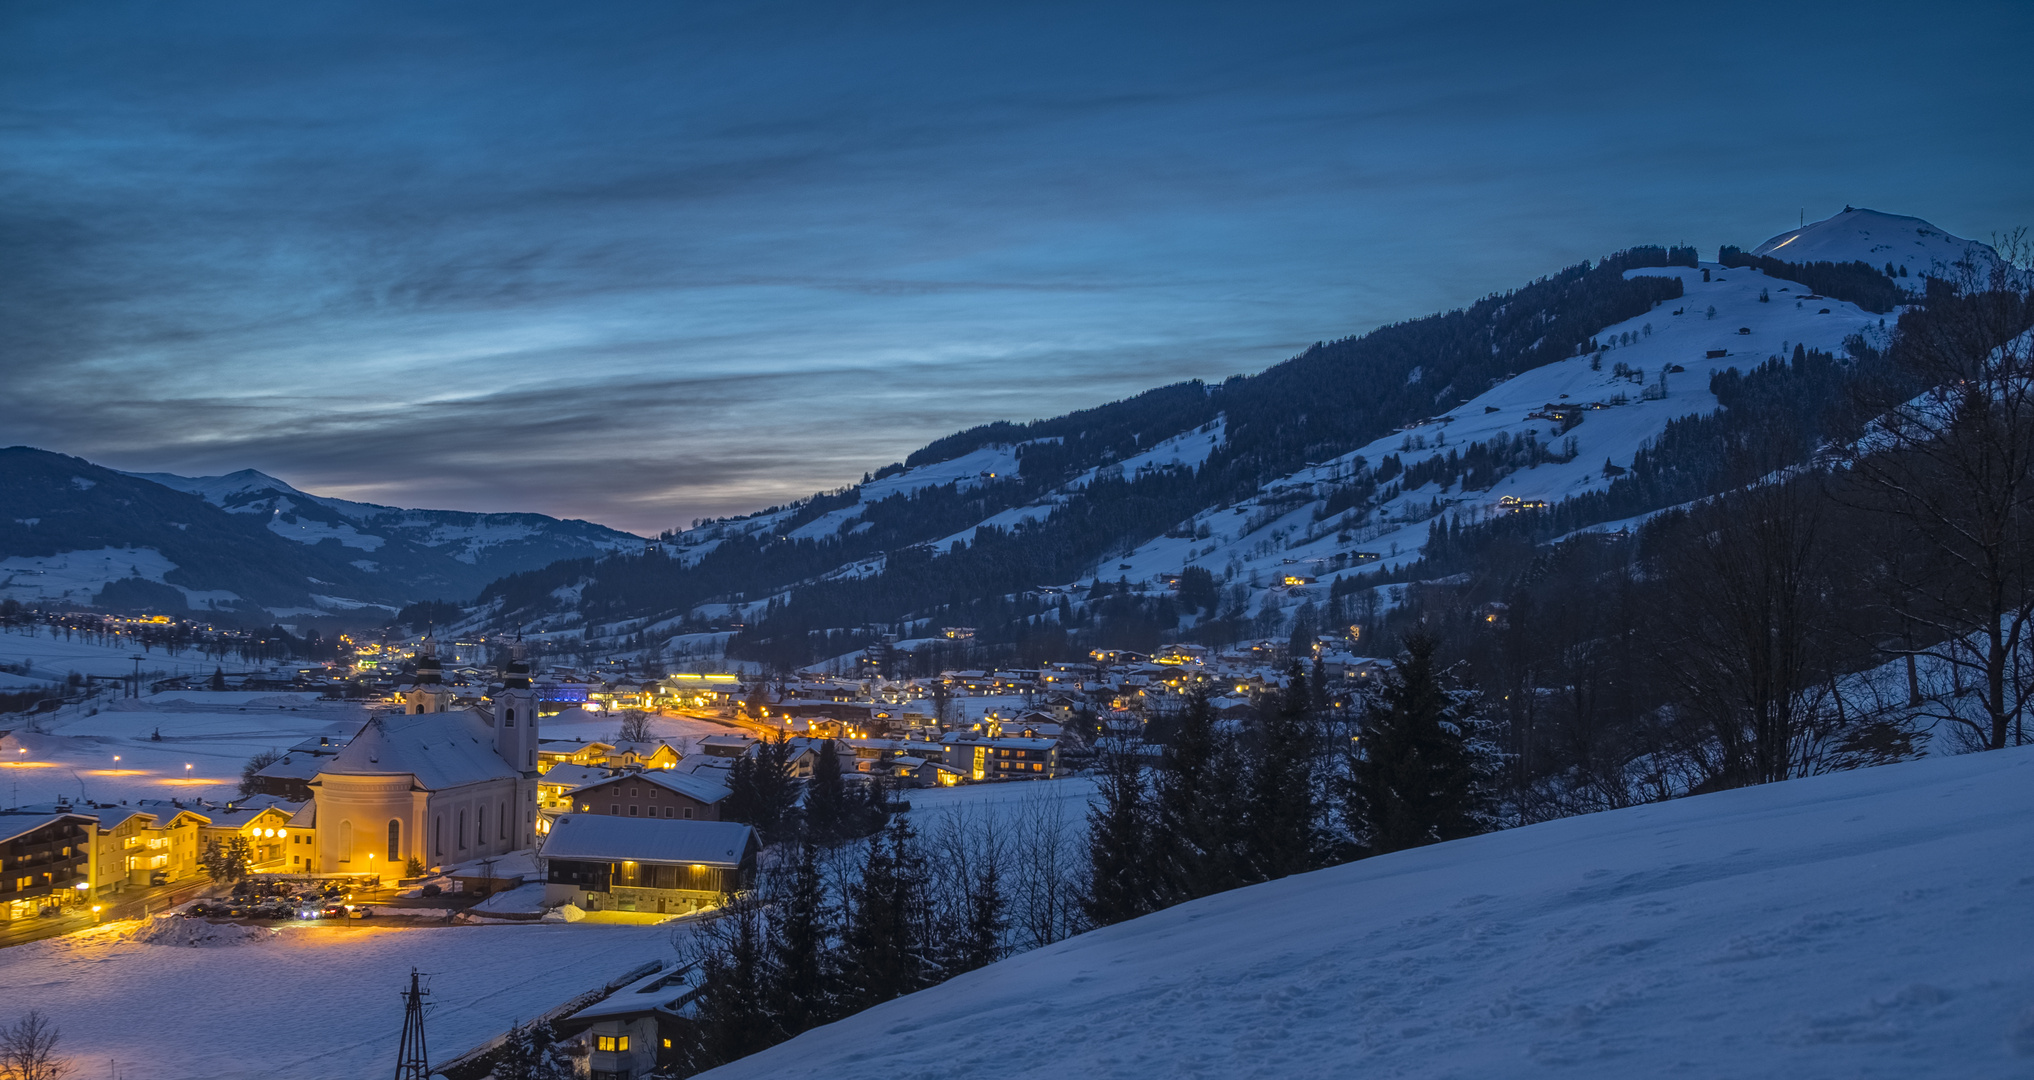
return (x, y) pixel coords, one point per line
(137, 677)
(412, 1062)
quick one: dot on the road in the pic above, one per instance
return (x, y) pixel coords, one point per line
(131, 904)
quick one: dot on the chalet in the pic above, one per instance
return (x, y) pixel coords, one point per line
(621, 1035)
(265, 825)
(678, 796)
(605, 863)
(727, 746)
(172, 842)
(554, 786)
(655, 754)
(555, 752)
(45, 861)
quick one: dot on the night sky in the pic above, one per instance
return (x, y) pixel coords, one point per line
(647, 262)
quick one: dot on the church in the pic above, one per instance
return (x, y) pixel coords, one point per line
(435, 784)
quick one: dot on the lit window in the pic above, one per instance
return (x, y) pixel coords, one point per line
(622, 1043)
(603, 1042)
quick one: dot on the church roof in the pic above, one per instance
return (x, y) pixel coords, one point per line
(598, 838)
(441, 750)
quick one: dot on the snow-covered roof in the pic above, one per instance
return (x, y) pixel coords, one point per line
(605, 838)
(14, 824)
(575, 776)
(701, 788)
(442, 750)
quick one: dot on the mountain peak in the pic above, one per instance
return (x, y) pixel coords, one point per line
(1877, 238)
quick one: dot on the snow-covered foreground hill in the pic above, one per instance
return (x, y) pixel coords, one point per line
(1863, 924)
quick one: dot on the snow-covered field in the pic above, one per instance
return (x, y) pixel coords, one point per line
(1864, 924)
(316, 1003)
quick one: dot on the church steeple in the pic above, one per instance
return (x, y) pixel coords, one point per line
(515, 728)
(430, 694)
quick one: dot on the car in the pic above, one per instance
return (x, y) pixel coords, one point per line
(158, 877)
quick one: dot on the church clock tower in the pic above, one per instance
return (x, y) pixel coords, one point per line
(515, 708)
(430, 694)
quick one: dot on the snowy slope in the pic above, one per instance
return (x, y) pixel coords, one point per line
(1275, 534)
(1865, 924)
(1871, 237)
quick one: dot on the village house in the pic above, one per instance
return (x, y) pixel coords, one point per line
(601, 862)
(45, 861)
(172, 840)
(643, 755)
(264, 825)
(677, 796)
(552, 753)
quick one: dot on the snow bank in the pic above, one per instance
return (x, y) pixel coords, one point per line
(1866, 924)
(177, 930)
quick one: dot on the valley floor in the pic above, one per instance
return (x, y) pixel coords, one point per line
(1864, 924)
(318, 1002)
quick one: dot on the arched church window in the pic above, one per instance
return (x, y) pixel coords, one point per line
(438, 835)
(345, 841)
(501, 820)
(508, 718)
(395, 841)
(462, 830)
(480, 824)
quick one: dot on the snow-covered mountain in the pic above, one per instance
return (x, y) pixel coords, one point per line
(1338, 461)
(1868, 236)
(492, 544)
(1857, 924)
(246, 544)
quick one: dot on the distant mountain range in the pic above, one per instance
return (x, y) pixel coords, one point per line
(247, 543)
(1340, 460)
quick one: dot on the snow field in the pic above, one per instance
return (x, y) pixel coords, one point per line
(318, 1002)
(1864, 924)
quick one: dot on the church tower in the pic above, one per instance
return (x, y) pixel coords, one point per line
(430, 694)
(515, 710)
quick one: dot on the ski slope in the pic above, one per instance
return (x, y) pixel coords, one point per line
(1863, 924)
(1869, 236)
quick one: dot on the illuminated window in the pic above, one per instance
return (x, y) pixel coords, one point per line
(621, 1043)
(604, 1042)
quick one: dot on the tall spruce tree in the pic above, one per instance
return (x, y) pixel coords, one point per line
(801, 993)
(1121, 859)
(886, 950)
(1198, 808)
(1421, 772)
(732, 1009)
(825, 796)
(978, 941)
(1282, 808)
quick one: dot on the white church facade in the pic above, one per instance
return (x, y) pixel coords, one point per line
(434, 784)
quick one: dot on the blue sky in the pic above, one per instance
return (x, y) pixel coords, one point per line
(640, 263)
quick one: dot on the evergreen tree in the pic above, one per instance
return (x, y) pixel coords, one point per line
(801, 961)
(979, 941)
(531, 1052)
(218, 678)
(1198, 806)
(1281, 805)
(826, 796)
(1421, 772)
(1121, 861)
(886, 948)
(732, 1007)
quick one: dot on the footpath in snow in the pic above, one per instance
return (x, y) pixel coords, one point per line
(1865, 924)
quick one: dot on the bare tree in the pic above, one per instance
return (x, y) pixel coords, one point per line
(28, 1049)
(635, 727)
(1745, 641)
(1955, 465)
